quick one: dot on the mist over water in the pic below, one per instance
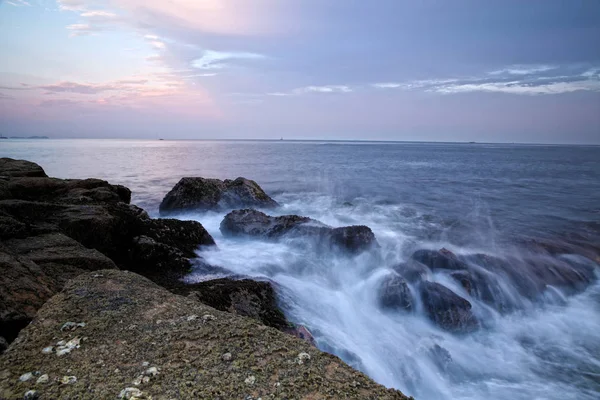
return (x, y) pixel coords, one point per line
(469, 199)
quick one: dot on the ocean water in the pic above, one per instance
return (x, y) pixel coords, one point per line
(468, 198)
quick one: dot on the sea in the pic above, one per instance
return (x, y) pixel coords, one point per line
(470, 198)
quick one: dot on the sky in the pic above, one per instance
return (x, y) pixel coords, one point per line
(427, 70)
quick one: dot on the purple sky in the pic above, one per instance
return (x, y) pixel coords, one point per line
(463, 70)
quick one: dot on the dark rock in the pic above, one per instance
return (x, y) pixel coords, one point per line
(254, 299)
(24, 288)
(531, 276)
(447, 309)
(187, 236)
(19, 168)
(355, 238)
(202, 194)
(254, 223)
(413, 271)
(65, 191)
(395, 294)
(183, 339)
(438, 259)
(3, 345)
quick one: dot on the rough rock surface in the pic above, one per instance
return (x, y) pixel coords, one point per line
(395, 294)
(254, 223)
(17, 168)
(55, 229)
(193, 194)
(438, 259)
(244, 297)
(447, 309)
(139, 339)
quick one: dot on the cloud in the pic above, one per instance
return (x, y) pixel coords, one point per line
(523, 70)
(519, 87)
(99, 16)
(211, 59)
(82, 29)
(18, 3)
(72, 5)
(314, 89)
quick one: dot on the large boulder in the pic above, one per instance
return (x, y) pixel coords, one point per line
(254, 299)
(447, 309)
(200, 194)
(253, 223)
(129, 338)
(394, 294)
(19, 168)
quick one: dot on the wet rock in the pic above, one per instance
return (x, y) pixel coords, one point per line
(19, 168)
(253, 223)
(128, 335)
(441, 357)
(413, 271)
(439, 259)
(447, 309)
(395, 294)
(186, 236)
(254, 299)
(202, 194)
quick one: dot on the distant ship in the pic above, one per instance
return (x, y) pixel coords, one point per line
(3, 137)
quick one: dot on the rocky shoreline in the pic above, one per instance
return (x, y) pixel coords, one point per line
(93, 304)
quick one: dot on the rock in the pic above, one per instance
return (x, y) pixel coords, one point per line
(438, 259)
(395, 294)
(447, 309)
(43, 379)
(121, 309)
(54, 229)
(65, 191)
(3, 345)
(413, 271)
(254, 223)
(187, 236)
(24, 288)
(59, 256)
(26, 376)
(200, 194)
(226, 357)
(254, 299)
(18, 168)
